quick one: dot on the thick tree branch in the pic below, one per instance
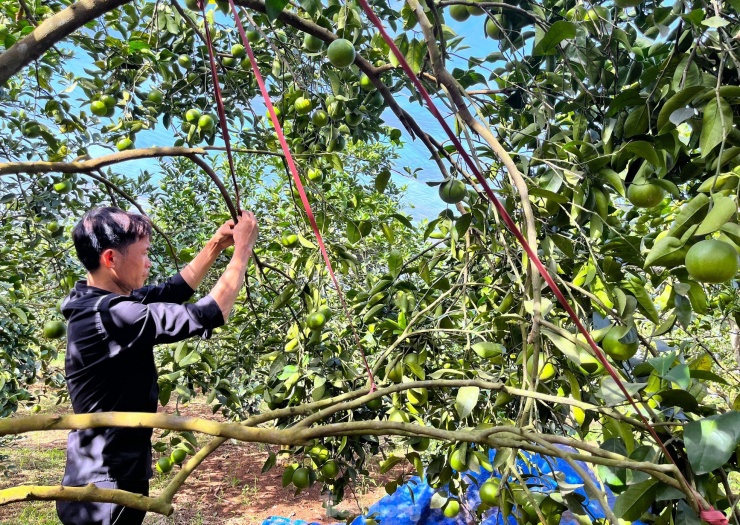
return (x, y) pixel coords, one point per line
(51, 31)
(87, 493)
(87, 166)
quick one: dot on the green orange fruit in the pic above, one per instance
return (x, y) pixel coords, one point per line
(320, 118)
(178, 455)
(452, 191)
(238, 51)
(54, 329)
(301, 478)
(489, 491)
(155, 96)
(459, 12)
(330, 469)
(303, 105)
(289, 239)
(712, 261)
(312, 44)
(616, 348)
(164, 464)
(185, 61)
(341, 53)
(64, 186)
(366, 84)
(316, 321)
(645, 194)
(206, 123)
(98, 108)
(192, 115)
(451, 509)
(124, 144)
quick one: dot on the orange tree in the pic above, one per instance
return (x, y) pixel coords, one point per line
(609, 132)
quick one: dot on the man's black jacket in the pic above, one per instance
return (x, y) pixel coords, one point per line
(110, 367)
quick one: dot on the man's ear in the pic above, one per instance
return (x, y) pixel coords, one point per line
(107, 258)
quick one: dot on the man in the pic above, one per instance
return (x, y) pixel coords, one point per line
(113, 324)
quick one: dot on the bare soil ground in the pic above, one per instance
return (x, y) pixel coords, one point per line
(228, 488)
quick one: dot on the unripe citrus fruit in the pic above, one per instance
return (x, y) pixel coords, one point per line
(192, 115)
(712, 261)
(457, 463)
(316, 321)
(315, 175)
(303, 105)
(474, 10)
(185, 61)
(124, 144)
(341, 53)
(459, 12)
(452, 508)
(330, 469)
(206, 123)
(495, 28)
(366, 84)
(319, 118)
(178, 455)
(353, 118)
(337, 144)
(398, 416)
(155, 96)
(489, 491)
(54, 329)
(64, 186)
(289, 239)
(396, 373)
(52, 227)
(617, 349)
(98, 108)
(238, 51)
(312, 44)
(546, 370)
(417, 396)
(108, 100)
(164, 464)
(452, 191)
(326, 311)
(301, 478)
(645, 195)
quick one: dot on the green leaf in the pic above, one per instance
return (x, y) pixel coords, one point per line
(269, 462)
(679, 374)
(644, 301)
(663, 250)
(636, 500)
(612, 395)
(637, 122)
(395, 262)
(705, 375)
(691, 213)
(547, 43)
(644, 150)
(685, 515)
(488, 350)
(732, 230)
(353, 233)
(715, 21)
(716, 125)
(722, 211)
(389, 463)
(711, 441)
(381, 181)
(663, 363)
(678, 398)
(415, 55)
(467, 398)
(190, 359)
(273, 8)
(698, 297)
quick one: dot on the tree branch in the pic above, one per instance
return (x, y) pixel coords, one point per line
(51, 31)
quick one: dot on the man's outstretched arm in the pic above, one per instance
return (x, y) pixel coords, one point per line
(196, 270)
(227, 288)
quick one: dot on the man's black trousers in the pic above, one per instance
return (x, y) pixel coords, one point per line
(87, 513)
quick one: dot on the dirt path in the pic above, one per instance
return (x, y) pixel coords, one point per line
(228, 488)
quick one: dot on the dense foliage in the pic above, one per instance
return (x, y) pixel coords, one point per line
(609, 131)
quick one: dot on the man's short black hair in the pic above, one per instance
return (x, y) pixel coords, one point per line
(104, 228)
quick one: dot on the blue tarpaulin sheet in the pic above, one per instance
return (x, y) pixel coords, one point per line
(399, 508)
